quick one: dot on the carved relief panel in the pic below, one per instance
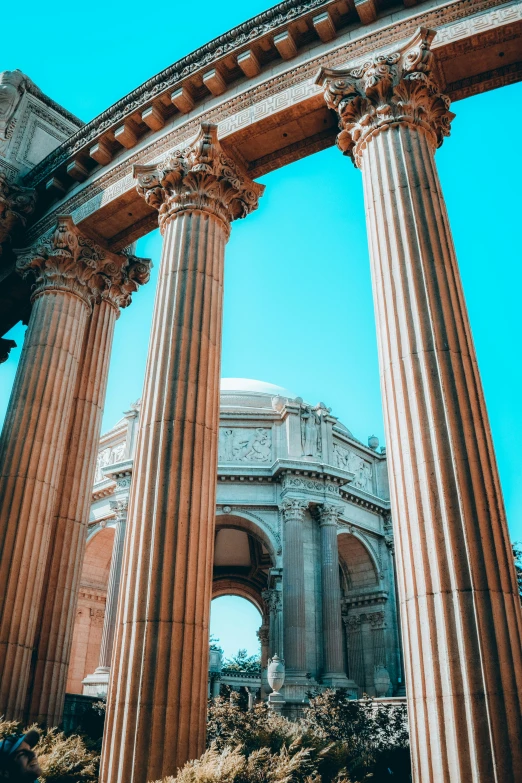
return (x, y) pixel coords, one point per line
(109, 456)
(346, 459)
(239, 444)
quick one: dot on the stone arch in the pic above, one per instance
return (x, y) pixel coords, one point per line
(88, 622)
(242, 519)
(221, 587)
(358, 563)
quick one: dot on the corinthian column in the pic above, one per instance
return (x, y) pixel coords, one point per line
(118, 278)
(34, 440)
(158, 691)
(294, 617)
(460, 609)
(334, 674)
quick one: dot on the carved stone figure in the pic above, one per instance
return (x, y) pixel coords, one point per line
(245, 445)
(11, 90)
(346, 459)
(104, 459)
(310, 432)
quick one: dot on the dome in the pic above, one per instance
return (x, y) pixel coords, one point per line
(258, 387)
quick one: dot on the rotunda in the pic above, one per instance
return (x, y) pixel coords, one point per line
(302, 530)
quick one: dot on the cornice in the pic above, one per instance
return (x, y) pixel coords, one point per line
(358, 45)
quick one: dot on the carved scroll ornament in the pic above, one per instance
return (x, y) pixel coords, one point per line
(69, 261)
(198, 178)
(387, 90)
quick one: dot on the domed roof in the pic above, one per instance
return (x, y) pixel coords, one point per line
(259, 387)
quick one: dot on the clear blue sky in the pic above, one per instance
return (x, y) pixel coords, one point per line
(298, 304)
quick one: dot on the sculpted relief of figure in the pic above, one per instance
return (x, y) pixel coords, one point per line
(310, 432)
(11, 88)
(108, 457)
(349, 460)
(245, 445)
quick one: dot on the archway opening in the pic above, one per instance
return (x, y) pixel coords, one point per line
(234, 623)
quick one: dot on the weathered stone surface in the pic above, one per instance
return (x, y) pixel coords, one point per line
(459, 604)
(161, 649)
(71, 272)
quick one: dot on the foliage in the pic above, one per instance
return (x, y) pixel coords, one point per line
(63, 759)
(338, 740)
(242, 662)
(213, 644)
(517, 555)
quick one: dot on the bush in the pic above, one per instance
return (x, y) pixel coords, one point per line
(337, 741)
(63, 759)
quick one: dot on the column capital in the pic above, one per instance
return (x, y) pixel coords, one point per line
(293, 508)
(329, 514)
(272, 599)
(69, 261)
(198, 178)
(398, 87)
(16, 204)
(120, 508)
(263, 634)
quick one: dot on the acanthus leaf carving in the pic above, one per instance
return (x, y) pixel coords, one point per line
(293, 508)
(67, 260)
(198, 178)
(386, 90)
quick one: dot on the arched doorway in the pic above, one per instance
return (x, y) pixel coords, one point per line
(88, 623)
(243, 559)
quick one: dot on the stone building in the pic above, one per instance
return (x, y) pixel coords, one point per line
(182, 151)
(278, 457)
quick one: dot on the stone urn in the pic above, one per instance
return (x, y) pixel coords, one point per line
(381, 680)
(275, 673)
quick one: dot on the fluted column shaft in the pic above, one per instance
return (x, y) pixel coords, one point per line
(113, 589)
(32, 448)
(158, 689)
(160, 662)
(331, 594)
(460, 609)
(459, 602)
(294, 617)
(69, 535)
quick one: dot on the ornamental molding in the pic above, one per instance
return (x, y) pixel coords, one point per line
(198, 178)
(386, 90)
(69, 261)
(461, 20)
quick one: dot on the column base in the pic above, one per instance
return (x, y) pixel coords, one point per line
(276, 702)
(340, 680)
(97, 683)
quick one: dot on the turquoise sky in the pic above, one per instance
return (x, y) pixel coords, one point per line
(298, 304)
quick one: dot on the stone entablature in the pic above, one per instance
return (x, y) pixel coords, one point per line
(146, 125)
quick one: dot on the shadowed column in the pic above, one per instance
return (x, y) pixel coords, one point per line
(158, 689)
(294, 617)
(34, 441)
(119, 278)
(334, 675)
(460, 609)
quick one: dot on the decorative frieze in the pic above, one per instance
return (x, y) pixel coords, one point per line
(348, 460)
(108, 456)
(243, 444)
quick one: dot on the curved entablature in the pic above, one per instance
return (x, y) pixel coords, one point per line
(257, 83)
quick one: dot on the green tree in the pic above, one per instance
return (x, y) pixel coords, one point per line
(242, 662)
